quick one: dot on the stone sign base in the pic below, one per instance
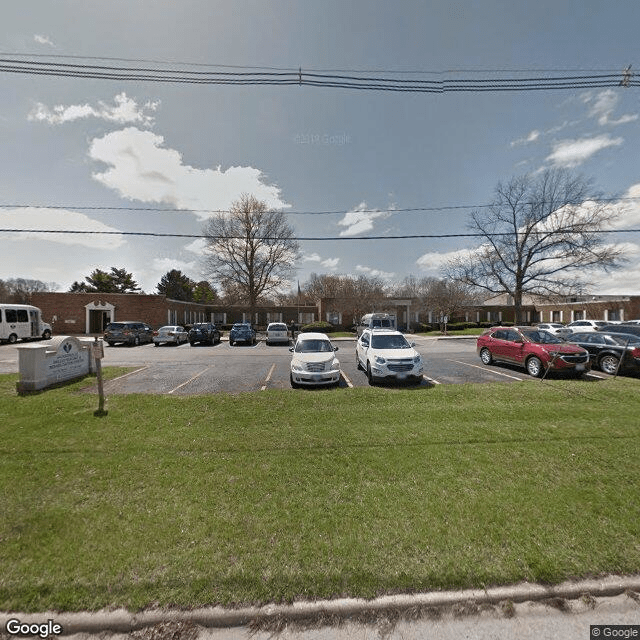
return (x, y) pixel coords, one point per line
(62, 358)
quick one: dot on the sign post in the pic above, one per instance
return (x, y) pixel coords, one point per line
(97, 351)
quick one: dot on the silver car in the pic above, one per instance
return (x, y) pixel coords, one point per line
(171, 334)
(277, 332)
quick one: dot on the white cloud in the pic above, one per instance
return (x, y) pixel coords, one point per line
(531, 137)
(571, 153)
(360, 219)
(602, 106)
(43, 40)
(329, 263)
(197, 246)
(433, 261)
(36, 218)
(623, 281)
(375, 273)
(125, 110)
(140, 168)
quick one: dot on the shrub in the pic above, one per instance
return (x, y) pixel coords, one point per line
(320, 326)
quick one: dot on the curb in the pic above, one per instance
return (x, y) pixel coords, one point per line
(122, 621)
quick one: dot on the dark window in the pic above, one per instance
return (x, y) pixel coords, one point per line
(12, 315)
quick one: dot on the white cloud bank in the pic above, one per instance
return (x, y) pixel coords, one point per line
(36, 218)
(432, 262)
(360, 219)
(375, 273)
(141, 168)
(329, 263)
(572, 153)
(125, 110)
(602, 106)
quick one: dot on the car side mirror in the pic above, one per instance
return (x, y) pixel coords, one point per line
(291, 349)
(412, 344)
(335, 348)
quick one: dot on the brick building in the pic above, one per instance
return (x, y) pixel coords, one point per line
(89, 313)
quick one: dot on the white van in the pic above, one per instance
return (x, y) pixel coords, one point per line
(22, 321)
(377, 321)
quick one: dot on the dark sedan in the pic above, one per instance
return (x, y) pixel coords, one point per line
(204, 332)
(610, 351)
(242, 332)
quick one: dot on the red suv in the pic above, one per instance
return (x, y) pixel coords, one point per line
(532, 349)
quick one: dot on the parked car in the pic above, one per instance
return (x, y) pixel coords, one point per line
(127, 332)
(586, 325)
(633, 329)
(536, 351)
(170, 334)
(242, 332)
(314, 361)
(554, 327)
(204, 332)
(376, 320)
(22, 321)
(607, 350)
(277, 332)
(386, 355)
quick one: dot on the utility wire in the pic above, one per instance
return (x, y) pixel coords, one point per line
(302, 239)
(424, 209)
(363, 82)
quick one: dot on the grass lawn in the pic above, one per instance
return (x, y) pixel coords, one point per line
(281, 495)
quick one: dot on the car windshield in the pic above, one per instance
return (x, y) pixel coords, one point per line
(277, 327)
(115, 325)
(199, 326)
(314, 346)
(541, 337)
(243, 327)
(389, 342)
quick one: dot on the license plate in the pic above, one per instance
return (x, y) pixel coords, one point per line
(317, 378)
(402, 376)
(579, 367)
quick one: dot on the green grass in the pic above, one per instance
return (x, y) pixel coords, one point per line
(281, 495)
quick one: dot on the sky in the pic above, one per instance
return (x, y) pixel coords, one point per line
(75, 153)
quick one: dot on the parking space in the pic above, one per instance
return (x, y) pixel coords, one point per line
(201, 369)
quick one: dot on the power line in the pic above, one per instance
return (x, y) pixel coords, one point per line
(154, 234)
(295, 68)
(422, 209)
(366, 81)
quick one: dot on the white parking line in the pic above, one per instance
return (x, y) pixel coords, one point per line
(184, 384)
(489, 370)
(346, 379)
(431, 380)
(126, 375)
(266, 380)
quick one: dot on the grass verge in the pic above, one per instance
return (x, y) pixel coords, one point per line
(281, 495)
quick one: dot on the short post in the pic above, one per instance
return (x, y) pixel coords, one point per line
(98, 353)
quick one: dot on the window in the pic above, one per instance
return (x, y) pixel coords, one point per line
(613, 314)
(12, 315)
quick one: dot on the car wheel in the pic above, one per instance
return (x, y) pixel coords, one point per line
(294, 385)
(47, 335)
(358, 365)
(231, 343)
(608, 364)
(111, 344)
(485, 356)
(13, 338)
(534, 367)
(156, 344)
(369, 374)
(136, 341)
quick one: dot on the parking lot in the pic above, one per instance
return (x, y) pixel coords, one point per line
(186, 370)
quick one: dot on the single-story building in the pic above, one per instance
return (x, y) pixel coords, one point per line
(89, 313)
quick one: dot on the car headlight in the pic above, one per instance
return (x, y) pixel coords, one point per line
(417, 360)
(553, 354)
(335, 364)
(379, 360)
(296, 366)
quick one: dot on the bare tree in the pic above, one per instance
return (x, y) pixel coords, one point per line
(542, 235)
(250, 250)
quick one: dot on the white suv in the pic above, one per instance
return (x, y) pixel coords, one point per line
(585, 325)
(386, 355)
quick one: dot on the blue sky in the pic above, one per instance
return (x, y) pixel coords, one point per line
(79, 142)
